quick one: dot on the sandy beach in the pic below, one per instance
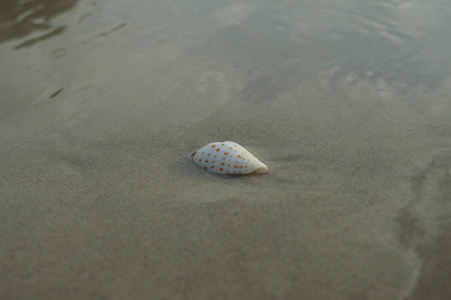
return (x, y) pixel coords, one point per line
(103, 102)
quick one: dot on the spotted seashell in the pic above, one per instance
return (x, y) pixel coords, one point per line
(228, 158)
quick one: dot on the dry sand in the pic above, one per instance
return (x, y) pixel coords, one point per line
(348, 104)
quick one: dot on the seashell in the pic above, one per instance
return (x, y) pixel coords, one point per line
(228, 158)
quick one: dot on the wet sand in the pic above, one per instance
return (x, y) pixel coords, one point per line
(347, 103)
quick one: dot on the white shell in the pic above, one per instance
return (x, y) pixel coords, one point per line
(228, 158)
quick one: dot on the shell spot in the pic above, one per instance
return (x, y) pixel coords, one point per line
(223, 158)
(241, 167)
(230, 148)
(239, 156)
(222, 164)
(226, 153)
(218, 149)
(212, 146)
(234, 172)
(206, 161)
(205, 168)
(208, 154)
(223, 144)
(202, 153)
(200, 160)
(236, 167)
(212, 167)
(221, 169)
(213, 162)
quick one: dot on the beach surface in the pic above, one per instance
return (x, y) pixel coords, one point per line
(102, 104)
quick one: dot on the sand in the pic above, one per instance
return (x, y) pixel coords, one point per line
(102, 103)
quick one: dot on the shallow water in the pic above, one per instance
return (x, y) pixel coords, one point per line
(348, 103)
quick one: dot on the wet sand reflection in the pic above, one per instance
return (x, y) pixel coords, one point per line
(19, 19)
